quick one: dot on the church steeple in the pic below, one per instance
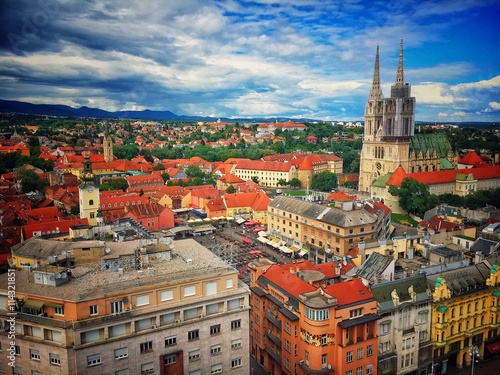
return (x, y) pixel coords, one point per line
(400, 75)
(376, 92)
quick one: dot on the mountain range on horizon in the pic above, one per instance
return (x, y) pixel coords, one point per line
(60, 110)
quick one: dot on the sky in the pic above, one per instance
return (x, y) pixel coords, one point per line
(265, 58)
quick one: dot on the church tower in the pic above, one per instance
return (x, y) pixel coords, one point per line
(108, 146)
(89, 192)
(389, 126)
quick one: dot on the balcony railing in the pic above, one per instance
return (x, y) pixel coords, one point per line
(42, 320)
(274, 320)
(102, 319)
(273, 338)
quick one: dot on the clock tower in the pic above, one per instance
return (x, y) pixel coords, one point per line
(89, 192)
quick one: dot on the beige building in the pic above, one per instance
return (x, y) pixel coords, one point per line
(171, 308)
(322, 230)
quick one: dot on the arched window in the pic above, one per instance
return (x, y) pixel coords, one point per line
(91, 202)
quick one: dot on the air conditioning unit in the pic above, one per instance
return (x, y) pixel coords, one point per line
(242, 306)
(153, 326)
(177, 321)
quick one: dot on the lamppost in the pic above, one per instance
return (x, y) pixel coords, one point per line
(474, 353)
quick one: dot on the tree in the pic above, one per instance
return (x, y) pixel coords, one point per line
(282, 182)
(194, 171)
(165, 177)
(230, 189)
(414, 196)
(255, 179)
(30, 181)
(324, 181)
(295, 183)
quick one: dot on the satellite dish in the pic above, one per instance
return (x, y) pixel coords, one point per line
(58, 275)
(107, 250)
(64, 275)
(50, 258)
(34, 265)
(52, 278)
(63, 253)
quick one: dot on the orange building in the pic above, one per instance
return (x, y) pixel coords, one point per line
(305, 320)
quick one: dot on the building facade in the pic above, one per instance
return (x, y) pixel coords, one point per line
(305, 321)
(404, 328)
(321, 230)
(178, 310)
(88, 192)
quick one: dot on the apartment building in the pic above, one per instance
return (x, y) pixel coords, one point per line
(322, 230)
(404, 328)
(304, 320)
(465, 313)
(176, 310)
(269, 173)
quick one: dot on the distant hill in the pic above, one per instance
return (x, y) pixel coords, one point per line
(67, 111)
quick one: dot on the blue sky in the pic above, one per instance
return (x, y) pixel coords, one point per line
(263, 58)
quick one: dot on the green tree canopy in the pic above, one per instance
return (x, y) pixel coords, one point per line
(30, 181)
(231, 189)
(414, 196)
(324, 181)
(295, 183)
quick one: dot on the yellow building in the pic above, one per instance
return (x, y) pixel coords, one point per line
(465, 312)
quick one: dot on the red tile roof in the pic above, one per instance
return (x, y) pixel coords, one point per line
(348, 292)
(340, 196)
(264, 165)
(471, 158)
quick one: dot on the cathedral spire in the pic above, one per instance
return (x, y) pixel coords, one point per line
(376, 92)
(400, 75)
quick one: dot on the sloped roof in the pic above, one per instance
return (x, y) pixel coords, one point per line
(382, 292)
(374, 266)
(349, 292)
(471, 158)
(436, 223)
(306, 165)
(257, 200)
(397, 177)
(423, 142)
(264, 165)
(340, 196)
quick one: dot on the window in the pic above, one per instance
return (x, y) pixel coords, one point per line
(17, 349)
(211, 288)
(349, 357)
(355, 313)
(90, 336)
(359, 371)
(55, 359)
(348, 372)
(236, 344)
(236, 362)
(422, 317)
(324, 340)
(142, 300)
(324, 360)
(170, 359)
(166, 295)
(236, 324)
(116, 307)
(94, 310)
(229, 283)
(167, 319)
(59, 310)
(189, 291)
(369, 350)
(118, 330)
(191, 313)
(384, 328)
(34, 355)
(94, 359)
(170, 340)
(216, 369)
(233, 304)
(194, 355)
(122, 372)
(215, 349)
(213, 308)
(215, 329)
(369, 369)
(147, 368)
(193, 335)
(121, 353)
(146, 346)
(360, 353)
(317, 315)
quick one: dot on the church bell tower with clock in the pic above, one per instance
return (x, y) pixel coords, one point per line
(89, 192)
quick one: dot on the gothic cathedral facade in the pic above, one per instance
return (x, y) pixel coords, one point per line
(389, 139)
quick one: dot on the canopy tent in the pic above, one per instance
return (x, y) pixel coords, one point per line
(240, 220)
(262, 233)
(262, 239)
(286, 250)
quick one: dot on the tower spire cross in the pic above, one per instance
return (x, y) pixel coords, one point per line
(376, 92)
(400, 75)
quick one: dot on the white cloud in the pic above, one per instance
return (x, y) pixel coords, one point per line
(432, 93)
(495, 105)
(459, 114)
(442, 114)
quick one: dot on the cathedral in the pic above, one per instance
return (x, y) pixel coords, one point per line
(389, 139)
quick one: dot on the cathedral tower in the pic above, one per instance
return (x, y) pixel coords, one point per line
(389, 126)
(108, 146)
(89, 192)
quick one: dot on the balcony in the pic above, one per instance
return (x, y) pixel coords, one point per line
(408, 331)
(441, 325)
(328, 369)
(42, 320)
(102, 319)
(273, 338)
(440, 344)
(273, 319)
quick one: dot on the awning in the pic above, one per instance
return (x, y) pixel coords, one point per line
(263, 239)
(33, 304)
(286, 249)
(274, 244)
(262, 233)
(53, 304)
(302, 253)
(240, 221)
(493, 348)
